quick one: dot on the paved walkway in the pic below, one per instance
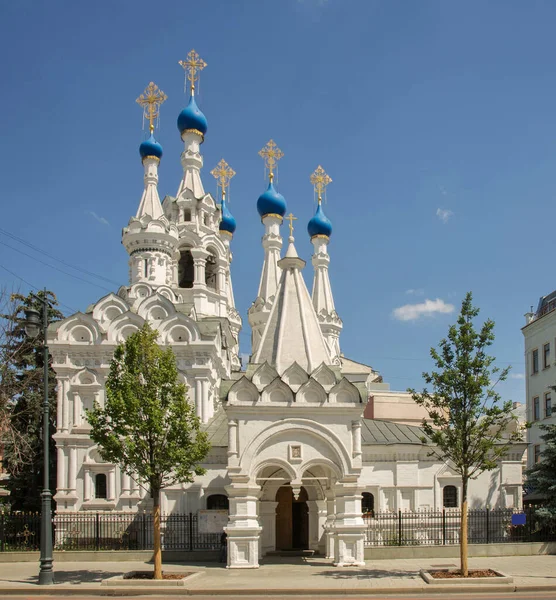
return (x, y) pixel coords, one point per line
(302, 575)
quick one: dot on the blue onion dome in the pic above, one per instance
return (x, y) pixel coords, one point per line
(319, 224)
(228, 223)
(192, 118)
(271, 202)
(150, 147)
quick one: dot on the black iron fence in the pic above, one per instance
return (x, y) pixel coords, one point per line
(105, 531)
(132, 531)
(429, 528)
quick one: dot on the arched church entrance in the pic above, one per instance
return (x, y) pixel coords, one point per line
(292, 519)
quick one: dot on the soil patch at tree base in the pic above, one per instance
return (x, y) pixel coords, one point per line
(454, 576)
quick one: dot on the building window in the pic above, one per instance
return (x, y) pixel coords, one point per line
(537, 453)
(535, 362)
(546, 356)
(547, 405)
(100, 486)
(146, 265)
(450, 496)
(218, 502)
(536, 409)
(368, 504)
(186, 269)
(211, 272)
(186, 215)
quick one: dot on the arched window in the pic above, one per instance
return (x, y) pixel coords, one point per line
(368, 504)
(186, 269)
(210, 271)
(450, 496)
(218, 502)
(100, 486)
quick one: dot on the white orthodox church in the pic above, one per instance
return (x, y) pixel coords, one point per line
(304, 440)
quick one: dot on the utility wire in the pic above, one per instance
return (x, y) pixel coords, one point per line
(34, 287)
(37, 249)
(56, 268)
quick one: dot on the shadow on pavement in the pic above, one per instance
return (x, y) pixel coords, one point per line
(362, 573)
(74, 577)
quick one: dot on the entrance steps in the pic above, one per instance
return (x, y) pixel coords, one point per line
(287, 553)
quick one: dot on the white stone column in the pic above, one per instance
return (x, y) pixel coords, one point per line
(61, 470)
(65, 405)
(243, 525)
(126, 484)
(232, 437)
(199, 263)
(198, 398)
(349, 527)
(87, 484)
(59, 404)
(356, 438)
(76, 409)
(267, 509)
(206, 409)
(72, 471)
(329, 523)
(111, 484)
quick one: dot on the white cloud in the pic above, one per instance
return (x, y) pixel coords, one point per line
(444, 214)
(428, 308)
(517, 376)
(415, 292)
(97, 218)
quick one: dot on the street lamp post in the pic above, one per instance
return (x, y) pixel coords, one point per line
(33, 324)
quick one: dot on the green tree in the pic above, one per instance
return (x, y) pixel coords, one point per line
(468, 422)
(147, 425)
(21, 397)
(541, 477)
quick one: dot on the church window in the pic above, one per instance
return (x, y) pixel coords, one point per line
(206, 219)
(368, 504)
(218, 502)
(450, 496)
(100, 486)
(186, 269)
(187, 215)
(146, 267)
(210, 271)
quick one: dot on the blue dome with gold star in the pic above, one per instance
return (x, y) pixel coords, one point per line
(319, 224)
(192, 118)
(228, 223)
(150, 147)
(271, 202)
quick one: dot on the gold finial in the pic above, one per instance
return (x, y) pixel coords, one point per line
(291, 219)
(320, 180)
(151, 100)
(271, 155)
(193, 67)
(223, 173)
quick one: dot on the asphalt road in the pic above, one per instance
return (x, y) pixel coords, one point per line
(456, 596)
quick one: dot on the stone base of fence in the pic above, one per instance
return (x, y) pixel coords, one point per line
(452, 550)
(203, 556)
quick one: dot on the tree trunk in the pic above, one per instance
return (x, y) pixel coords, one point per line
(463, 531)
(157, 555)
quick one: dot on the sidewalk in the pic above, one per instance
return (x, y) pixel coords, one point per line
(314, 576)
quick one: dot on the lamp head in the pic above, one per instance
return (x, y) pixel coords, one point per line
(32, 322)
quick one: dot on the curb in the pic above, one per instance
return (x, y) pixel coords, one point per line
(82, 590)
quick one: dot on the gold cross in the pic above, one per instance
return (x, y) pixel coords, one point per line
(151, 100)
(291, 219)
(320, 180)
(223, 173)
(193, 67)
(271, 154)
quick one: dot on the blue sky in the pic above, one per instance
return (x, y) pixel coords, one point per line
(435, 120)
